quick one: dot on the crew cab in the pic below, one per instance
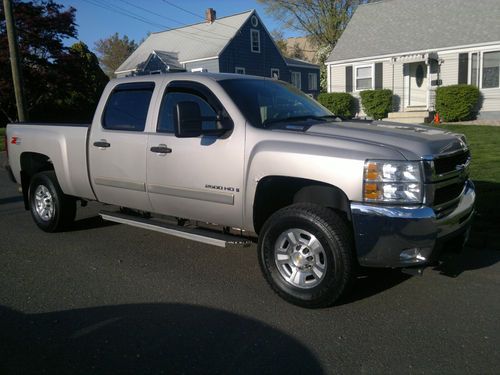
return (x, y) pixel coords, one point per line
(228, 159)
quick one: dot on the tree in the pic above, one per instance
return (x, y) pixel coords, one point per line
(297, 52)
(113, 51)
(280, 41)
(323, 21)
(42, 26)
(81, 82)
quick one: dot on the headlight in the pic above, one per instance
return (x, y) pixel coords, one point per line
(392, 182)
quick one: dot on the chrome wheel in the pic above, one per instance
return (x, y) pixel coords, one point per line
(44, 203)
(300, 258)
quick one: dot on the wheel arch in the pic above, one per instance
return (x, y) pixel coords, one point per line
(31, 164)
(275, 192)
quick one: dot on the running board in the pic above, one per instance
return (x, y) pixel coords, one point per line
(195, 234)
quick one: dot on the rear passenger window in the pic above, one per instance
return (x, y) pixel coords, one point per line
(167, 111)
(127, 107)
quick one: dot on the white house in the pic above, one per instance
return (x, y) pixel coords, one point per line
(412, 47)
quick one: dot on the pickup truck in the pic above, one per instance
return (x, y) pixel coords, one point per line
(230, 159)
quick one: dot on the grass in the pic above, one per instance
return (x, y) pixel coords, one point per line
(484, 144)
(2, 132)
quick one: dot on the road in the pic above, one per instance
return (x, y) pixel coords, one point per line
(106, 298)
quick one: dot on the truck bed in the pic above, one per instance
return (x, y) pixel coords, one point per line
(64, 144)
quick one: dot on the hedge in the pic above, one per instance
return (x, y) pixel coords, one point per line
(376, 103)
(457, 102)
(339, 103)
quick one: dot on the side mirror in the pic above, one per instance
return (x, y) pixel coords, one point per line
(188, 120)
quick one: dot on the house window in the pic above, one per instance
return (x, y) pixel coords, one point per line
(296, 79)
(474, 72)
(312, 81)
(364, 77)
(275, 73)
(491, 70)
(255, 40)
(239, 70)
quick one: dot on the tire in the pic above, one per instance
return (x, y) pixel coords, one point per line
(306, 255)
(51, 210)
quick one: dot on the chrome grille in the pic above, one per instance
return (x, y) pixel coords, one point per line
(445, 177)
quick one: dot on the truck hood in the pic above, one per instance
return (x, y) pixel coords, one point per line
(412, 141)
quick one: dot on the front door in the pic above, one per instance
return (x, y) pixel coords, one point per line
(200, 177)
(417, 96)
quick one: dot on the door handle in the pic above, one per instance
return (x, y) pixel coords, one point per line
(102, 144)
(161, 149)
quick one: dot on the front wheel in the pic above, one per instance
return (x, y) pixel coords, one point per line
(306, 255)
(51, 210)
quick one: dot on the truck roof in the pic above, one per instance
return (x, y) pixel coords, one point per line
(197, 76)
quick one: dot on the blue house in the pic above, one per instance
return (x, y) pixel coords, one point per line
(237, 44)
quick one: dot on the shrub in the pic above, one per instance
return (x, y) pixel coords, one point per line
(340, 103)
(457, 102)
(376, 103)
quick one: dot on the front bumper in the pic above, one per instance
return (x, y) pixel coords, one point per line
(390, 236)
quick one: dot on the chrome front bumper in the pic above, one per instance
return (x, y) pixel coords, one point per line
(390, 236)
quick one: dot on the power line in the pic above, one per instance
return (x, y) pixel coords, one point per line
(172, 20)
(125, 12)
(197, 15)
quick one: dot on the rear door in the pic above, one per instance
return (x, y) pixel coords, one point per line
(198, 177)
(117, 147)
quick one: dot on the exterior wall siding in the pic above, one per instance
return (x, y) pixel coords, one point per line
(238, 53)
(211, 66)
(304, 76)
(337, 78)
(449, 69)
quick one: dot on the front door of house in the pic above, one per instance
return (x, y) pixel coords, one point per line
(417, 96)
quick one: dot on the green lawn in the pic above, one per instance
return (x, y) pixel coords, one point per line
(484, 143)
(2, 132)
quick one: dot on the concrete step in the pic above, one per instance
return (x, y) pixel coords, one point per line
(409, 120)
(399, 115)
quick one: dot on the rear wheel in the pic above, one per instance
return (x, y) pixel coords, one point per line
(51, 210)
(306, 255)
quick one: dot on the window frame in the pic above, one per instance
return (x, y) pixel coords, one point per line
(481, 67)
(252, 40)
(356, 67)
(315, 81)
(236, 68)
(131, 86)
(196, 89)
(292, 73)
(275, 70)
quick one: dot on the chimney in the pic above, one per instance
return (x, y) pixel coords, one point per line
(210, 15)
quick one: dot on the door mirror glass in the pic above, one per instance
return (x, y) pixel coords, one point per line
(188, 120)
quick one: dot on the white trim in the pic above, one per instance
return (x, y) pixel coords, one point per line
(196, 60)
(481, 72)
(275, 70)
(241, 68)
(442, 49)
(328, 79)
(251, 40)
(355, 67)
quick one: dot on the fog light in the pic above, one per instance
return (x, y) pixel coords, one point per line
(413, 255)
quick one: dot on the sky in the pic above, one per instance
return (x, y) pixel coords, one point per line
(98, 19)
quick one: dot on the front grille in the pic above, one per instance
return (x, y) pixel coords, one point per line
(449, 163)
(448, 193)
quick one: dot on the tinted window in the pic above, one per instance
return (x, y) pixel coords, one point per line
(266, 101)
(168, 107)
(127, 107)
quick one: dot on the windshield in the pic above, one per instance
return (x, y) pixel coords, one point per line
(267, 102)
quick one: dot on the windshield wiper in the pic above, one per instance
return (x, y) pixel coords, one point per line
(299, 118)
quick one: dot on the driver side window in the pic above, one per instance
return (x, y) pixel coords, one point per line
(167, 111)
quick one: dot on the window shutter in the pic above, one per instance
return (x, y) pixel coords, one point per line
(463, 67)
(348, 78)
(378, 75)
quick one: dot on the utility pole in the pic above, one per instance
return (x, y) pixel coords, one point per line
(14, 61)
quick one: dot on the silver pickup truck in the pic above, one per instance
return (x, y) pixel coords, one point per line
(227, 159)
